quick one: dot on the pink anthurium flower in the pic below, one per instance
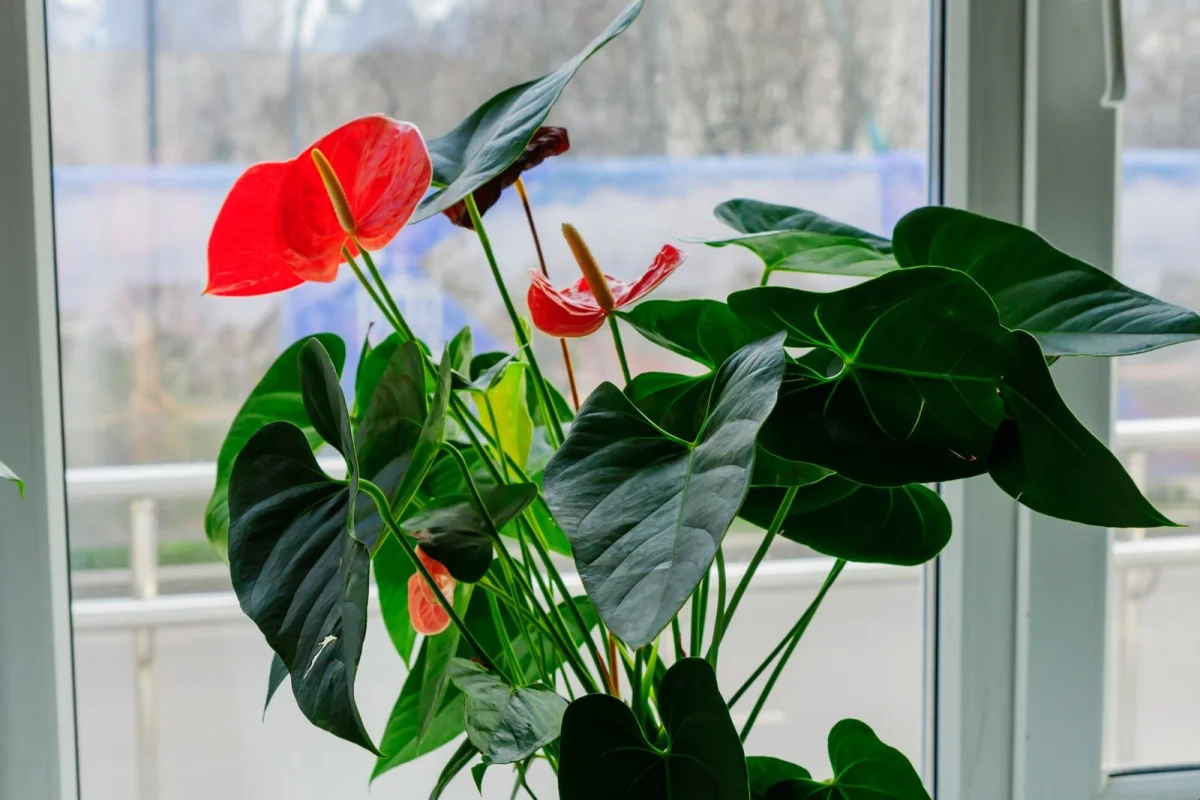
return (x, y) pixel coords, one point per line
(426, 613)
(580, 309)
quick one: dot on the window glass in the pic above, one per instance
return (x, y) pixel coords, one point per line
(157, 105)
(1154, 650)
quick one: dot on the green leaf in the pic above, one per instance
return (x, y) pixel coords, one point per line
(1070, 306)
(503, 411)
(606, 755)
(464, 755)
(439, 653)
(496, 133)
(645, 511)
(477, 773)
(453, 531)
(7, 474)
(805, 251)
(904, 525)
(401, 740)
(755, 216)
(393, 568)
(910, 395)
(274, 679)
(370, 371)
(765, 772)
(506, 723)
(675, 403)
(1048, 460)
(702, 330)
(276, 398)
(864, 768)
(461, 351)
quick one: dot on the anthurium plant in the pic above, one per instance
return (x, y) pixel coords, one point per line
(825, 418)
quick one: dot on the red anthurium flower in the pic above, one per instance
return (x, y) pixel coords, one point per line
(427, 615)
(581, 309)
(279, 225)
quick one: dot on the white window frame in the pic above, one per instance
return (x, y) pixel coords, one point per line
(37, 708)
(1020, 625)
(1017, 611)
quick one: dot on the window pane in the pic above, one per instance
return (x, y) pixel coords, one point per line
(1154, 698)
(158, 105)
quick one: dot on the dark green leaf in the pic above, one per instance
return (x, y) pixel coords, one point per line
(765, 772)
(428, 442)
(506, 723)
(464, 755)
(804, 251)
(911, 395)
(276, 398)
(702, 330)
(864, 768)
(477, 772)
(299, 574)
(773, 470)
(453, 531)
(274, 679)
(7, 474)
(1070, 306)
(904, 525)
(321, 391)
(755, 216)
(644, 511)
(606, 755)
(1049, 461)
(675, 403)
(496, 133)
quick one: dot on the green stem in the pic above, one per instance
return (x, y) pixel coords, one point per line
(616, 332)
(766, 277)
(794, 637)
(718, 622)
(505, 642)
(385, 513)
(699, 614)
(548, 413)
(381, 285)
(677, 637)
(635, 686)
(776, 526)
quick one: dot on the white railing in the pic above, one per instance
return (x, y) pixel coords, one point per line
(145, 610)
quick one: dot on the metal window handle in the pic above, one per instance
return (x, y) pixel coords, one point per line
(1114, 53)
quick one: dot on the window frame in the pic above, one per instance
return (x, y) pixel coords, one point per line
(37, 709)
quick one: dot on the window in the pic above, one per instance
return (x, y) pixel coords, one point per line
(1154, 619)
(156, 107)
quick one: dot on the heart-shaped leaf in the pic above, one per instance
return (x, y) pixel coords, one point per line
(766, 772)
(702, 330)
(401, 739)
(276, 398)
(1048, 460)
(506, 723)
(497, 132)
(864, 768)
(805, 251)
(910, 394)
(453, 531)
(605, 754)
(920, 379)
(755, 216)
(1070, 306)
(7, 474)
(646, 511)
(905, 525)
(300, 542)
